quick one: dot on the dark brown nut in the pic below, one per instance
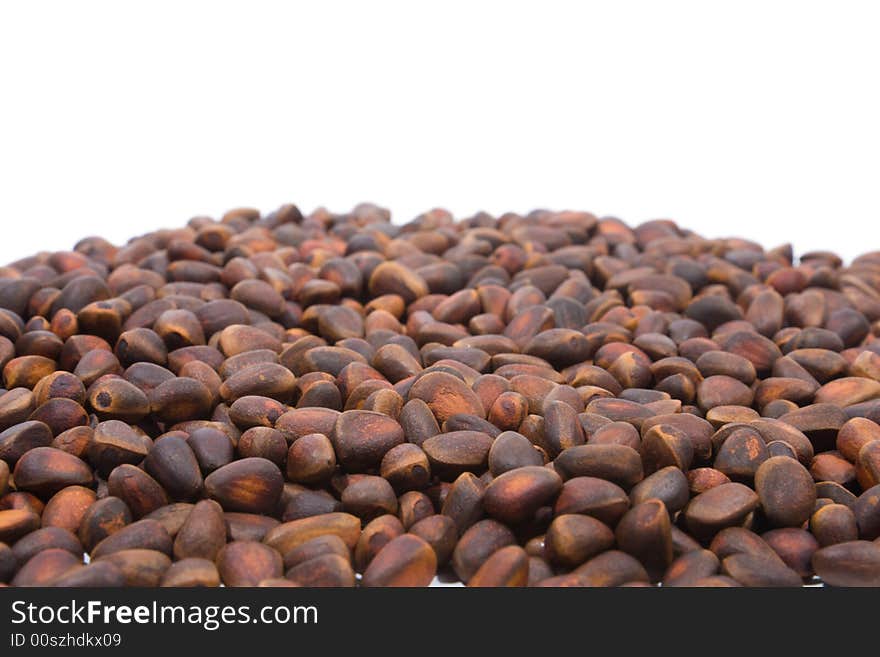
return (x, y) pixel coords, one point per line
(22, 500)
(795, 547)
(290, 535)
(329, 570)
(251, 485)
(621, 410)
(866, 364)
(265, 379)
(394, 278)
(305, 503)
(26, 371)
(508, 567)
(46, 538)
(560, 347)
(255, 411)
(395, 362)
(511, 450)
(172, 463)
(464, 502)
(203, 533)
(248, 526)
(830, 466)
(21, 438)
(339, 323)
(721, 390)
(406, 561)
(446, 395)
(572, 539)
(516, 495)
(115, 443)
(66, 508)
(690, 568)
(836, 493)
(239, 338)
(698, 430)
(455, 452)
(58, 385)
(848, 391)
(141, 345)
(46, 566)
(100, 574)
(440, 533)
(191, 573)
(766, 312)
(117, 399)
(406, 467)
(611, 568)
(855, 563)
(140, 567)
(819, 422)
(44, 471)
(206, 374)
(178, 358)
(834, 523)
(181, 399)
(376, 535)
(362, 438)
(258, 295)
(418, 421)
(664, 445)
(508, 410)
(726, 505)
(632, 369)
(212, 448)
(714, 363)
(822, 364)
(95, 364)
(786, 491)
(369, 497)
(741, 454)
(106, 516)
(311, 459)
(780, 448)
(645, 532)
(616, 463)
(756, 570)
(761, 351)
(590, 496)
(868, 465)
(776, 430)
(778, 388)
(464, 422)
(414, 506)
(15, 523)
(616, 433)
(317, 547)
(246, 563)
(138, 490)
(737, 540)
(143, 534)
(4, 477)
(264, 442)
(669, 485)
(477, 544)
(16, 405)
(854, 434)
(61, 414)
(561, 427)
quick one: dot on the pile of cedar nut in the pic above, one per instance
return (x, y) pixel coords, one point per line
(335, 400)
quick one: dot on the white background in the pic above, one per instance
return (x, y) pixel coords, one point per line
(759, 119)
